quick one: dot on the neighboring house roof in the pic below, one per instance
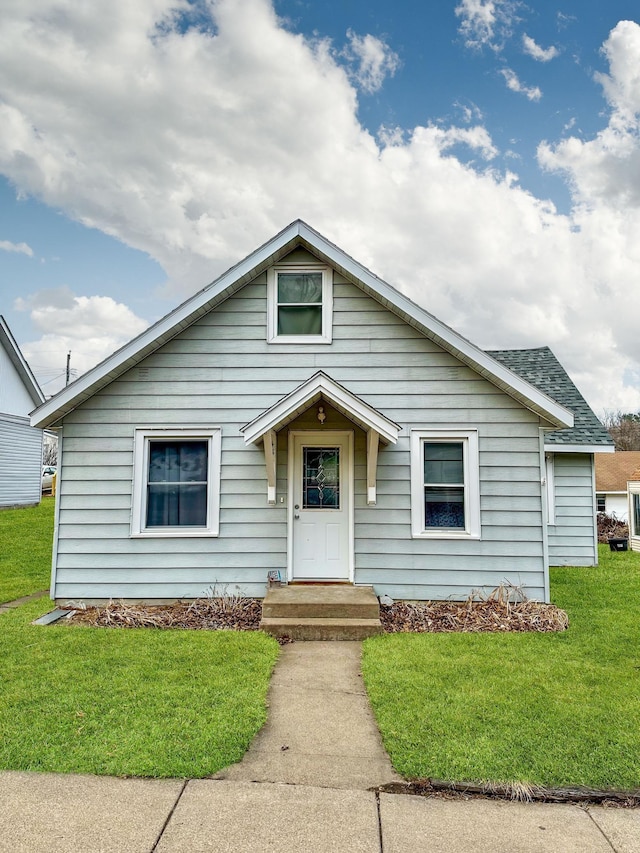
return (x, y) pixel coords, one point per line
(295, 235)
(635, 476)
(614, 470)
(541, 368)
(19, 362)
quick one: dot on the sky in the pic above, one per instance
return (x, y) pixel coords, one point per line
(482, 156)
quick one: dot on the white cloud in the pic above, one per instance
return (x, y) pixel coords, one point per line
(534, 50)
(197, 146)
(375, 60)
(90, 327)
(534, 93)
(486, 23)
(605, 170)
(21, 248)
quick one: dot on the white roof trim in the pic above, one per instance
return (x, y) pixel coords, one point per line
(299, 233)
(579, 448)
(305, 395)
(20, 363)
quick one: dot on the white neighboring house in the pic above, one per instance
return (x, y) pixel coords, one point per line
(613, 472)
(633, 490)
(20, 443)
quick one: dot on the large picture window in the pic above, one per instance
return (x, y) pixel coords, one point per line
(445, 491)
(176, 483)
(300, 305)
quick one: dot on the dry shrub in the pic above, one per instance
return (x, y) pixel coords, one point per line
(212, 613)
(504, 609)
(609, 526)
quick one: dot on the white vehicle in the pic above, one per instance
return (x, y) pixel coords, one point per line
(47, 477)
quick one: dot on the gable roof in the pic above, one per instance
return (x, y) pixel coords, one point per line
(541, 368)
(614, 470)
(309, 392)
(19, 362)
(295, 235)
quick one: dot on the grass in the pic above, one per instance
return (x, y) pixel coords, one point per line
(26, 535)
(128, 702)
(542, 709)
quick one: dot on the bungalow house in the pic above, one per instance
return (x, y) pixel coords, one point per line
(613, 471)
(20, 443)
(301, 415)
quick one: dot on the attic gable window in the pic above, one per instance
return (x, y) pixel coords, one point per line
(299, 304)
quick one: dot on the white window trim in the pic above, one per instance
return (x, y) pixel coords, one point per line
(471, 462)
(634, 492)
(550, 487)
(142, 440)
(272, 304)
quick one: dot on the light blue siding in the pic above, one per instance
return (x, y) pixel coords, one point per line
(573, 538)
(220, 372)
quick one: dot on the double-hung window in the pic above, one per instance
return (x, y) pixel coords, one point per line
(176, 482)
(445, 490)
(299, 304)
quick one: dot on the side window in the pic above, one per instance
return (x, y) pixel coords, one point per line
(176, 483)
(635, 514)
(300, 305)
(601, 503)
(445, 488)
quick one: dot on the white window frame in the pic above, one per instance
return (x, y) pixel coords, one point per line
(550, 487)
(471, 467)
(272, 304)
(634, 496)
(142, 441)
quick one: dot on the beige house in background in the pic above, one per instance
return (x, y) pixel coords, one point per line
(613, 471)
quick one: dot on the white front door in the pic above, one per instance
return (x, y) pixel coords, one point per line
(321, 502)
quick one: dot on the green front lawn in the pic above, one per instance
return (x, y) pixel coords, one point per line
(128, 702)
(26, 537)
(546, 709)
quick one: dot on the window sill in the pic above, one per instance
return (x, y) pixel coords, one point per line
(299, 339)
(445, 534)
(174, 533)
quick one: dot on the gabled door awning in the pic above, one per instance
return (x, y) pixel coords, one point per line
(378, 427)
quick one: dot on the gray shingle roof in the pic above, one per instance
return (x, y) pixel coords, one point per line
(542, 369)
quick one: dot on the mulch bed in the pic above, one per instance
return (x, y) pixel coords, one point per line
(495, 614)
(490, 616)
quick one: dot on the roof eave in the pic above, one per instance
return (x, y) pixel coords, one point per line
(20, 363)
(579, 448)
(299, 233)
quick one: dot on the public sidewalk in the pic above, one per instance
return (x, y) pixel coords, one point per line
(301, 788)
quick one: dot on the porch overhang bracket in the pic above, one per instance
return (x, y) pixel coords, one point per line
(270, 452)
(373, 442)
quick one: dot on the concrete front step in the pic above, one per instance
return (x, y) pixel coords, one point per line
(311, 601)
(321, 612)
(321, 629)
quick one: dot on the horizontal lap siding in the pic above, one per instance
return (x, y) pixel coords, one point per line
(220, 372)
(20, 463)
(572, 539)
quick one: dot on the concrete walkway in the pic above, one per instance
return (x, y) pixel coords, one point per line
(314, 759)
(17, 602)
(320, 729)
